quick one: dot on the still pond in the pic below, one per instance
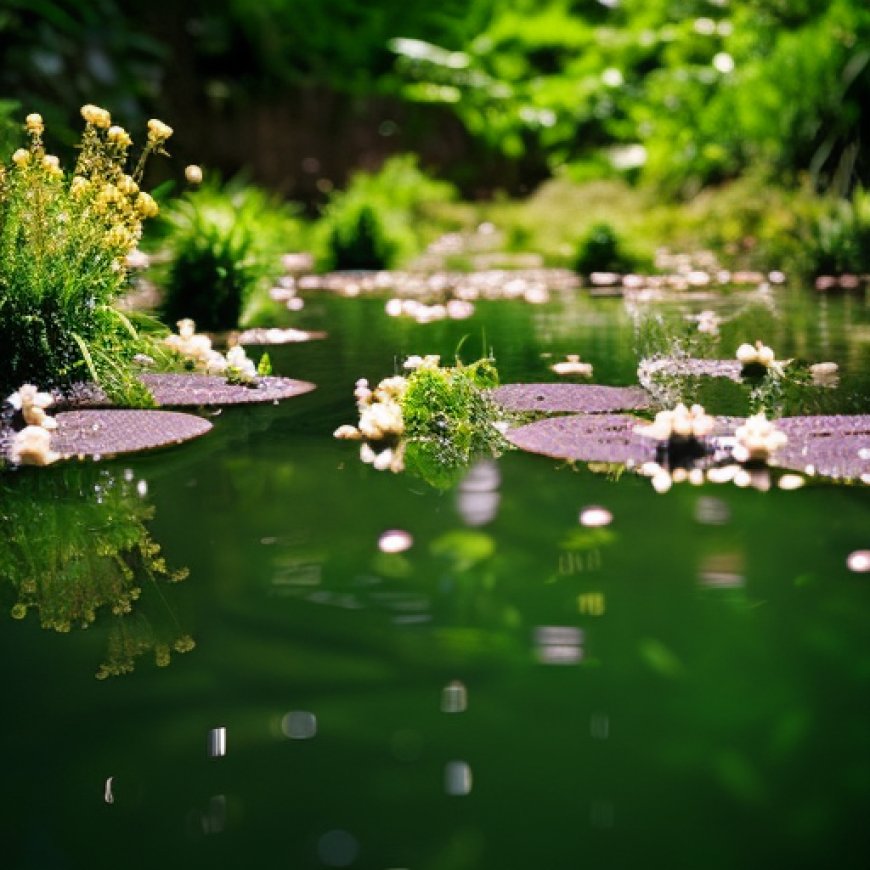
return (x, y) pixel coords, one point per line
(679, 680)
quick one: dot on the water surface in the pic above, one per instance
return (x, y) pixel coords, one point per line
(685, 687)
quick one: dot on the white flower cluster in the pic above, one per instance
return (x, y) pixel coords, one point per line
(757, 439)
(825, 374)
(757, 354)
(572, 366)
(380, 418)
(681, 422)
(197, 347)
(32, 445)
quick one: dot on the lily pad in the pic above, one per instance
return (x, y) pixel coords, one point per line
(834, 446)
(194, 390)
(107, 432)
(570, 398)
(586, 438)
(691, 367)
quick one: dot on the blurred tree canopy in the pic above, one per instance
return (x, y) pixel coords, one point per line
(682, 93)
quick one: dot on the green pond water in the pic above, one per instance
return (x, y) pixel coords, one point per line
(686, 687)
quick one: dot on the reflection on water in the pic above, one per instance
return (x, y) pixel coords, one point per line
(454, 697)
(74, 545)
(299, 725)
(457, 778)
(217, 742)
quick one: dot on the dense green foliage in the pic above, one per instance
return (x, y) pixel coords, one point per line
(224, 243)
(449, 420)
(699, 90)
(63, 244)
(601, 250)
(378, 221)
(686, 92)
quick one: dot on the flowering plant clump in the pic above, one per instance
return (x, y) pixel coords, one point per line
(758, 359)
(31, 444)
(64, 240)
(681, 433)
(197, 353)
(431, 421)
(757, 439)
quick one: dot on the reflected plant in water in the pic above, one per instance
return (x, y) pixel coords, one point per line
(75, 544)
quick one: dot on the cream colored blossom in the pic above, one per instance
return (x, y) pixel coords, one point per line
(242, 366)
(21, 157)
(96, 116)
(32, 446)
(348, 433)
(681, 422)
(757, 439)
(158, 132)
(430, 361)
(758, 354)
(127, 186)
(52, 165)
(146, 206)
(34, 124)
(572, 366)
(193, 174)
(119, 136)
(32, 404)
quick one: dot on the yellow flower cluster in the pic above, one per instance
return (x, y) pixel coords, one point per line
(105, 202)
(96, 117)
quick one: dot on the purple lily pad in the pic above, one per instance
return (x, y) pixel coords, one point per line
(586, 438)
(691, 367)
(107, 432)
(194, 390)
(834, 446)
(570, 398)
(181, 390)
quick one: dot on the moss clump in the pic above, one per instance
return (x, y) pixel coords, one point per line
(449, 418)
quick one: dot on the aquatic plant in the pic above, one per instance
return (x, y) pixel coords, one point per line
(431, 422)
(64, 239)
(758, 359)
(757, 439)
(31, 445)
(196, 352)
(681, 433)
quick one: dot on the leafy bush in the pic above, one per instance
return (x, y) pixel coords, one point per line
(376, 222)
(63, 244)
(838, 238)
(601, 250)
(359, 239)
(224, 242)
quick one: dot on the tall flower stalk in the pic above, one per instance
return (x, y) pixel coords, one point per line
(64, 240)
